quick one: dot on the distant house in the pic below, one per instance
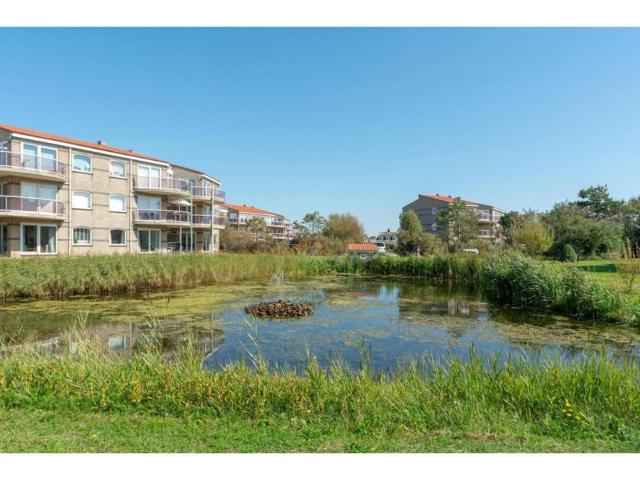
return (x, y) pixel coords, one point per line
(278, 227)
(428, 207)
(389, 238)
(362, 249)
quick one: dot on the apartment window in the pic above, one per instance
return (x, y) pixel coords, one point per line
(81, 163)
(81, 199)
(118, 342)
(38, 239)
(82, 236)
(38, 190)
(31, 152)
(117, 169)
(434, 226)
(117, 237)
(206, 242)
(149, 240)
(148, 177)
(117, 203)
(434, 210)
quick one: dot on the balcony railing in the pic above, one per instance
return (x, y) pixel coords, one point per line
(32, 163)
(219, 194)
(161, 183)
(207, 192)
(161, 216)
(29, 205)
(201, 220)
(219, 220)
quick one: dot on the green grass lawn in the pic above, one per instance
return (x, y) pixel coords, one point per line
(605, 271)
(26, 430)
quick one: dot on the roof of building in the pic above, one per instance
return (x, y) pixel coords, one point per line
(362, 247)
(82, 143)
(246, 209)
(195, 170)
(447, 198)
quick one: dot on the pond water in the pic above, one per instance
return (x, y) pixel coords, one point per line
(393, 320)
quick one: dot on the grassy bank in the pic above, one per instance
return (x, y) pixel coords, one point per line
(505, 278)
(592, 405)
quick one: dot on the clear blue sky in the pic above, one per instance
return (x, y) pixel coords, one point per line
(353, 120)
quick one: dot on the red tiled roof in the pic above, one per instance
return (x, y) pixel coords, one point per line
(446, 199)
(245, 209)
(82, 143)
(362, 247)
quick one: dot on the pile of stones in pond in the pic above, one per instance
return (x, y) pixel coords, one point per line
(280, 309)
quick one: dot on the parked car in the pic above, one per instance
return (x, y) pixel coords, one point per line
(471, 250)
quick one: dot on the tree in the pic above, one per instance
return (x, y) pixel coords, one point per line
(506, 222)
(529, 233)
(569, 254)
(257, 226)
(588, 236)
(412, 237)
(631, 224)
(461, 222)
(314, 222)
(343, 227)
(597, 202)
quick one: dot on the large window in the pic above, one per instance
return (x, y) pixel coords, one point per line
(38, 190)
(117, 203)
(38, 239)
(81, 199)
(81, 163)
(148, 177)
(148, 203)
(117, 237)
(82, 236)
(117, 169)
(31, 152)
(149, 240)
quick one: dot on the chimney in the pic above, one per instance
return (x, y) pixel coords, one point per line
(437, 194)
(101, 142)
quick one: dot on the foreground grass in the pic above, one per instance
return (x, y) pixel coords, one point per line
(94, 400)
(26, 430)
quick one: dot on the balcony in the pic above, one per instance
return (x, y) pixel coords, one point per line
(27, 207)
(199, 192)
(161, 217)
(30, 166)
(201, 220)
(170, 186)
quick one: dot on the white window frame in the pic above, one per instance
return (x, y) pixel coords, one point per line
(73, 163)
(159, 238)
(38, 149)
(124, 236)
(124, 203)
(38, 226)
(75, 244)
(434, 227)
(73, 192)
(125, 169)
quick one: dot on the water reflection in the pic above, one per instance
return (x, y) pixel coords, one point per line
(397, 321)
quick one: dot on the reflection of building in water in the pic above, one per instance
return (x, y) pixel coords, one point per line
(125, 338)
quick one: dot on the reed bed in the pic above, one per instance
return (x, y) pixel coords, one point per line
(595, 398)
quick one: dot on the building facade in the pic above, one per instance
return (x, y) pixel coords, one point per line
(428, 207)
(278, 226)
(61, 196)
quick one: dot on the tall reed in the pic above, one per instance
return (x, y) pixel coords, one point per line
(602, 398)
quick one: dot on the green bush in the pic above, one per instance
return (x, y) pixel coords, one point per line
(569, 254)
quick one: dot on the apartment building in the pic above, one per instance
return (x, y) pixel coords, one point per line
(278, 226)
(428, 207)
(62, 196)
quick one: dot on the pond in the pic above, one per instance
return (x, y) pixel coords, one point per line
(389, 321)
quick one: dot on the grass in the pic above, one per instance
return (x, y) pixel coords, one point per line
(604, 271)
(506, 278)
(92, 400)
(27, 430)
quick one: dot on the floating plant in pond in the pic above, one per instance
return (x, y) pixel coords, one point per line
(280, 309)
